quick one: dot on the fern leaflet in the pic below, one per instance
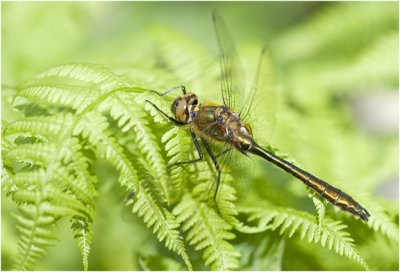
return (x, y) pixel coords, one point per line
(208, 232)
(291, 221)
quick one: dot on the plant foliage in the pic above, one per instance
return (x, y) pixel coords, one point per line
(72, 129)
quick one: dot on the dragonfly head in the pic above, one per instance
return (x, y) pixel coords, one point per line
(183, 106)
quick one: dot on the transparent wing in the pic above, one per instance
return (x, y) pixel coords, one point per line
(232, 82)
(260, 103)
(236, 170)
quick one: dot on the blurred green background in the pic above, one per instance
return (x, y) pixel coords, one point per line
(337, 108)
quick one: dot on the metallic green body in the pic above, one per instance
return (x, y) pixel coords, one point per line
(206, 125)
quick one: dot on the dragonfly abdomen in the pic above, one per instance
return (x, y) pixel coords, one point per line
(336, 196)
(327, 191)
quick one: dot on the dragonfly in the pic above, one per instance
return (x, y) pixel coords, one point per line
(212, 122)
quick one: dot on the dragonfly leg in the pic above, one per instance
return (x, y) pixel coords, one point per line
(172, 119)
(196, 143)
(216, 167)
(170, 89)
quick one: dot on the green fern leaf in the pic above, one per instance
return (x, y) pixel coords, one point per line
(83, 235)
(179, 147)
(381, 221)
(320, 207)
(93, 126)
(33, 227)
(130, 116)
(291, 221)
(43, 127)
(164, 224)
(63, 185)
(208, 232)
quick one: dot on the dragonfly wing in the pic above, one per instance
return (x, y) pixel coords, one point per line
(232, 82)
(260, 103)
(238, 171)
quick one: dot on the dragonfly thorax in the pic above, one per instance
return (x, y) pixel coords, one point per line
(183, 107)
(237, 133)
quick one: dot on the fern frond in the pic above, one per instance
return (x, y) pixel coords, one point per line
(58, 204)
(33, 227)
(7, 180)
(44, 127)
(62, 186)
(130, 116)
(74, 98)
(94, 127)
(291, 221)
(83, 184)
(104, 92)
(91, 74)
(381, 221)
(177, 141)
(320, 207)
(60, 153)
(45, 204)
(32, 153)
(164, 223)
(74, 86)
(226, 199)
(83, 235)
(208, 232)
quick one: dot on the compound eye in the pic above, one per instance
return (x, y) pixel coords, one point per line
(182, 111)
(195, 101)
(175, 105)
